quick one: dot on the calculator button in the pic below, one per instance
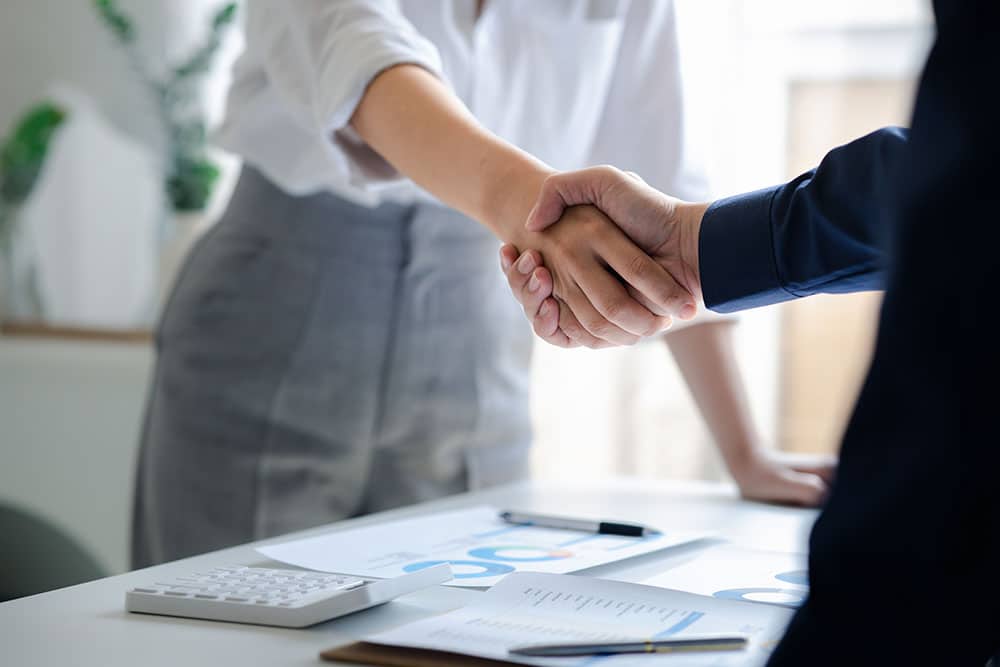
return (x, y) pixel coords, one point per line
(280, 597)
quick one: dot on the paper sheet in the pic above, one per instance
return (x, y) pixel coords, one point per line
(736, 573)
(529, 608)
(480, 547)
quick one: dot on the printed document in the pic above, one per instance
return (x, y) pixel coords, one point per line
(735, 573)
(481, 548)
(528, 608)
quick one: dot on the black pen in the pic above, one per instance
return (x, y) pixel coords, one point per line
(584, 525)
(678, 645)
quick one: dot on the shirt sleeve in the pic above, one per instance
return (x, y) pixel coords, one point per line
(321, 55)
(822, 232)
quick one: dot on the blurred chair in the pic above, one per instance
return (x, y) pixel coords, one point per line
(36, 556)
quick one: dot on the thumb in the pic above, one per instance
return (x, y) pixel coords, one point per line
(559, 191)
(811, 491)
(550, 204)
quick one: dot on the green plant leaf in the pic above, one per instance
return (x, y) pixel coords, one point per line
(23, 153)
(190, 185)
(119, 23)
(192, 177)
(224, 16)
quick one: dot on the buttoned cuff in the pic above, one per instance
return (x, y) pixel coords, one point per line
(736, 254)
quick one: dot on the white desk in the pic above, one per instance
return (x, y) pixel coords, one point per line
(86, 625)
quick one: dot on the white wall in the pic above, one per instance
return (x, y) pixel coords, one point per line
(69, 425)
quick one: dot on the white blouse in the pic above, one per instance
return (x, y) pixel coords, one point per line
(573, 82)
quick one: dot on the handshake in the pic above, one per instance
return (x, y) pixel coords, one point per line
(605, 259)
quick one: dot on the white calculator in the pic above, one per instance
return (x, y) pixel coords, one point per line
(274, 596)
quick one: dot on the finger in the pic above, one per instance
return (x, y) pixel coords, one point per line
(577, 335)
(824, 465)
(809, 490)
(603, 304)
(546, 325)
(664, 322)
(568, 189)
(537, 290)
(532, 287)
(649, 278)
(826, 472)
(570, 325)
(519, 273)
(533, 291)
(612, 309)
(661, 295)
(508, 255)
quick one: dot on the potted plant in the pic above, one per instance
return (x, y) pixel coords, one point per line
(191, 174)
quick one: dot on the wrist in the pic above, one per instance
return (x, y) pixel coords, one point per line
(511, 192)
(743, 461)
(689, 217)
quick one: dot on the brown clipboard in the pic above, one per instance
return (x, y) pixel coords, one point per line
(367, 653)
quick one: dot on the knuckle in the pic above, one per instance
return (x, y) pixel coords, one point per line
(573, 330)
(615, 309)
(656, 325)
(550, 183)
(560, 252)
(675, 300)
(561, 341)
(667, 295)
(638, 267)
(652, 327)
(596, 325)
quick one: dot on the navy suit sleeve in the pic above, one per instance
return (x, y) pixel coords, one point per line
(822, 232)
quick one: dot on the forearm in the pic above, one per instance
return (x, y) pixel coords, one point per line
(821, 232)
(704, 353)
(413, 121)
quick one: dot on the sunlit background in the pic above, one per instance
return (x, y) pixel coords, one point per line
(771, 86)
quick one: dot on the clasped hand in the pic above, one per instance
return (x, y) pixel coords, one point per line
(656, 266)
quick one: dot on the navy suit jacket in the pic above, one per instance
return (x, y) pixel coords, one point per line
(904, 554)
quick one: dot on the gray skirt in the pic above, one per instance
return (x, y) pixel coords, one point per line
(318, 360)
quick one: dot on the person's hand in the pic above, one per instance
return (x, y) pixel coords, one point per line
(663, 226)
(588, 258)
(782, 477)
(531, 284)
